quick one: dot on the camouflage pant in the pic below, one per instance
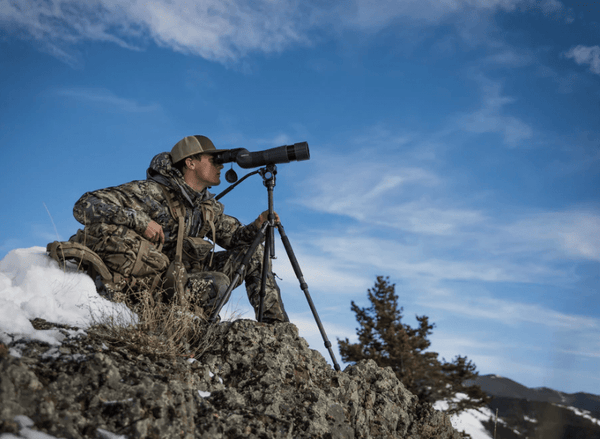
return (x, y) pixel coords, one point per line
(210, 284)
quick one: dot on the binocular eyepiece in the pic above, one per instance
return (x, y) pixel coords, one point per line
(280, 154)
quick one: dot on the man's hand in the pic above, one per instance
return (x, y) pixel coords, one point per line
(154, 232)
(264, 217)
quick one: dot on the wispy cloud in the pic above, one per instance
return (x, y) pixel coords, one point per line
(226, 31)
(509, 57)
(514, 312)
(426, 261)
(106, 98)
(382, 193)
(565, 82)
(379, 13)
(567, 234)
(492, 118)
(216, 30)
(584, 55)
(530, 248)
(321, 271)
(409, 221)
(361, 198)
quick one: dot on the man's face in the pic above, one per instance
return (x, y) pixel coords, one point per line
(206, 172)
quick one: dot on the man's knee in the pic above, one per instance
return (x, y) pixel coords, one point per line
(206, 287)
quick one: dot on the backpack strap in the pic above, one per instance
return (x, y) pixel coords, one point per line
(175, 206)
(61, 251)
(208, 216)
(178, 213)
(142, 256)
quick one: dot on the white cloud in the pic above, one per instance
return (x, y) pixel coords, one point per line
(461, 343)
(508, 57)
(570, 233)
(431, 233)
(379, 192)
(586, 55)
(417, 263)
(214, 29)
(513, 313)
(321, 273)
(550, 6)
(581, 353)
(105, 97)
(431, 218)
(376, 14)
(490, 118)
(227, 30)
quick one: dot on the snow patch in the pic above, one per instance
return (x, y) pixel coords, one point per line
(32, 285)
(469, 421)
(25, 431)
(103, 434)
(583, 413)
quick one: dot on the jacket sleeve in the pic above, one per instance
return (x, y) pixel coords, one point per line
(230, 232)
(121, 205)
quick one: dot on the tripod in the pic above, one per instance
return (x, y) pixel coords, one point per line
(267, 232)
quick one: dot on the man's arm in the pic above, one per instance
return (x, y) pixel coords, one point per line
(120, 205)
(231, 233)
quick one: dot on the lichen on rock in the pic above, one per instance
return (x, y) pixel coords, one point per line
(256, 381)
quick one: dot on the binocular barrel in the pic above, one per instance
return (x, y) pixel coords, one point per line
(280, 154)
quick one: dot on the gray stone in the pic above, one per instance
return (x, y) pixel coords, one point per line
(255, 381)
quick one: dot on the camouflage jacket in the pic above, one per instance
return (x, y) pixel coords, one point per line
(136, 203)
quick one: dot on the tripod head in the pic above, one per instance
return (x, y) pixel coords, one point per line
(267, 173)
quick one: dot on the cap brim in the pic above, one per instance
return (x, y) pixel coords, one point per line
(214, 151)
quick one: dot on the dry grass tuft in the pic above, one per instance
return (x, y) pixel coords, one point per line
(158, 329)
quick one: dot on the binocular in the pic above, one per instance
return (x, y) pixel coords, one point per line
(273, 156)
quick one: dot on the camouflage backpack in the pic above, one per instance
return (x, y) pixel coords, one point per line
(123, 259)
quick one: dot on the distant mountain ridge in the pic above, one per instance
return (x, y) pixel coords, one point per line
(498, 386)
(539, 413)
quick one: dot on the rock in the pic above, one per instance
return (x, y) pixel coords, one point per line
(256, 381)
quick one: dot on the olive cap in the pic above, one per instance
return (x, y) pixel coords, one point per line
(192, 145)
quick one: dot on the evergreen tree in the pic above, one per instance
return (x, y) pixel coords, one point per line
(383, 338)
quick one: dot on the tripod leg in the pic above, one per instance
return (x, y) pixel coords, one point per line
(265, 270)
(304, 286)
(238, 273)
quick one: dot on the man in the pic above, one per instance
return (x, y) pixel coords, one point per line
(180, 180)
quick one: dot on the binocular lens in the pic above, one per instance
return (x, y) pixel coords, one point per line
(298, 151)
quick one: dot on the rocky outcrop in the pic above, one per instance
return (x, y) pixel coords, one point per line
(257, 381)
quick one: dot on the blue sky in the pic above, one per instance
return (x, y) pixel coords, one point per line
(454, 148)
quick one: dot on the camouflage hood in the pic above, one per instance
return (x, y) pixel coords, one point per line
(162, 171)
